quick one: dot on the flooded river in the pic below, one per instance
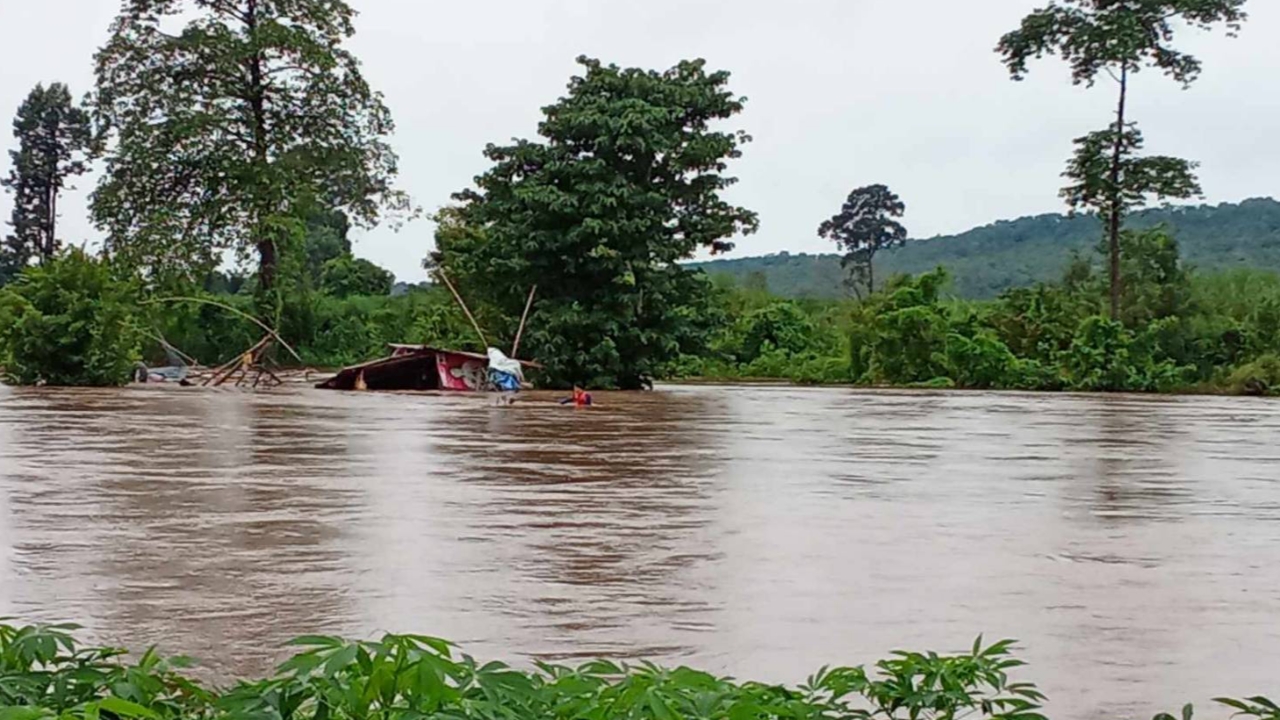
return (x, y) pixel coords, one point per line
(1131, 544)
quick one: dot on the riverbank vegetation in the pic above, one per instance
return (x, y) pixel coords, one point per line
(78, 319)
(1180, 331)
(46, 675)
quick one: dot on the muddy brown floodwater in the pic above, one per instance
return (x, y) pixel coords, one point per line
(1131, 544)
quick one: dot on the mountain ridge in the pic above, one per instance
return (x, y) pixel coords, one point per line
(1004, 254)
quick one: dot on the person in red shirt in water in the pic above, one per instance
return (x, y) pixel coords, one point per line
(581, 398)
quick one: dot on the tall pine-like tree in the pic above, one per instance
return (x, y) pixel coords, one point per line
(232, 120)
(1118, 38)
(55, 143)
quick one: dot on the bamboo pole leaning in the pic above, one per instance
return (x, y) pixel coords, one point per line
(463, 304)
(515, 347)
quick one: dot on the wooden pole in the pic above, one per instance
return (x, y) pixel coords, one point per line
(465, 309)
(515, 348)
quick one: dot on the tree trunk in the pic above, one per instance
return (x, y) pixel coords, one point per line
(871, 274)
(266, 265)
(50, 240)
(258, 107)
(1116, 195)
(51, 191)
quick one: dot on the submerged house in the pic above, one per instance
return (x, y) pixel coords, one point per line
(417, 367)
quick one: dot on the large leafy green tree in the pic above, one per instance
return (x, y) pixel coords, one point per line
(866, 224)
(625, 182)
(1119, 38)
(55, 141)
(228, 132)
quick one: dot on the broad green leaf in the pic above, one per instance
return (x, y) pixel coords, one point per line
(127, 709)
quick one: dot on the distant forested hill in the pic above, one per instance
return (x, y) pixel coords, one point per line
(1012, 253)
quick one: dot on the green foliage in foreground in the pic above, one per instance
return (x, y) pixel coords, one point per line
(45, 674)
(1179, 331)
(69, 322)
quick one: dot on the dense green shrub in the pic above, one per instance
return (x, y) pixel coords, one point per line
(1038, 323)
(1183, 331)
(1155, 284)
(980, 361)
(781, 326)
(900, 336)
(1107, 356)
(351, 330)
(1180, 331)
(820, 370)
(69, 322)
(1260, 377)
(208, 333)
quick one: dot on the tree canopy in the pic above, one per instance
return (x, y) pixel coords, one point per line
(625, 182)
(326, 239)
(345, 276)
(866, 224)
(1104, 181)
(1094, 36)
(228, 132)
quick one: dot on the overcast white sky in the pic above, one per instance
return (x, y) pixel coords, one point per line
(841, 93)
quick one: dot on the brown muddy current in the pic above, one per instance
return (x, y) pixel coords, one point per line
(1131, 544)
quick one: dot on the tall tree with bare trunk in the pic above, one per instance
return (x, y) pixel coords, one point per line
(1118, 38)
(866, 224)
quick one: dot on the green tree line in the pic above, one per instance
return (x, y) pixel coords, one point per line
(251, 130)
(1179, 331)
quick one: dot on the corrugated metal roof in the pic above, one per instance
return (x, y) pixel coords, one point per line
(395, 347)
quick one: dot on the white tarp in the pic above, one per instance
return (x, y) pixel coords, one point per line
(500, 362)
